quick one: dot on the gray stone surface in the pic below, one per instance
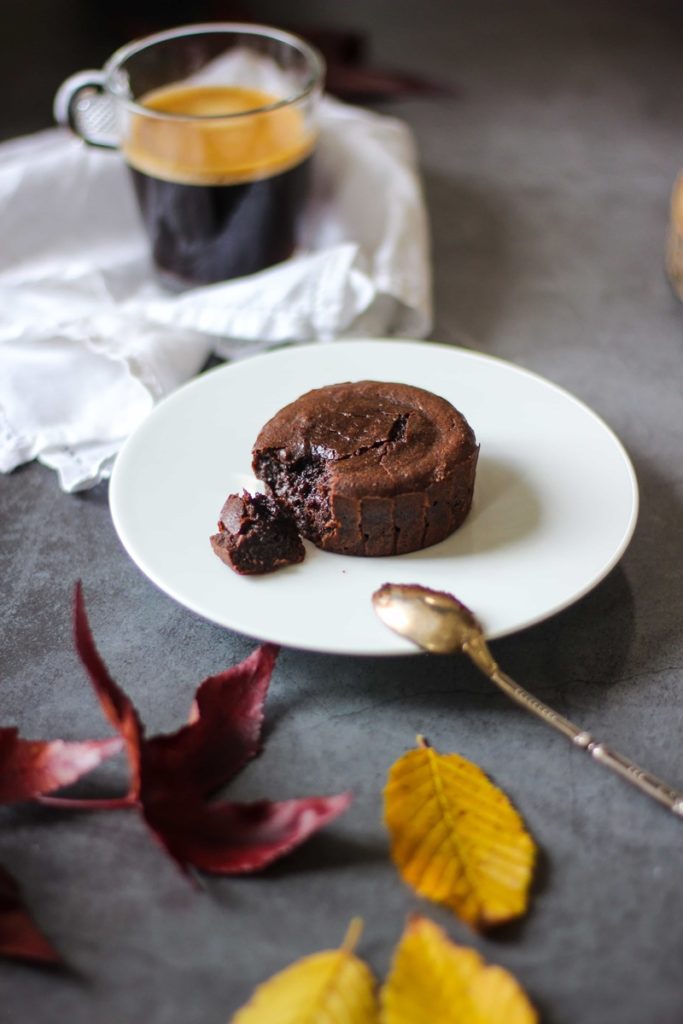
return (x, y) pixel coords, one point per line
(547, 177)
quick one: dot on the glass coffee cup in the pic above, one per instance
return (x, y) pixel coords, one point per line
(217, 124)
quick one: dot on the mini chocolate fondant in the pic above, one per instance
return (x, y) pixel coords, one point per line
(370, 468)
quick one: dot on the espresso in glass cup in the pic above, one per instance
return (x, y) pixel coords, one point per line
(218, 124)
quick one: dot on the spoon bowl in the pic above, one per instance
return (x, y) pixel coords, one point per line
(432, 619)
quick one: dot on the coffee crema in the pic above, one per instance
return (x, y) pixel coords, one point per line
(222, 191)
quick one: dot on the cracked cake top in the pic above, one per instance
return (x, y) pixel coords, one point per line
(374, 437)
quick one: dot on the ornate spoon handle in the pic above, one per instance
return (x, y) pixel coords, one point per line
(624, 766)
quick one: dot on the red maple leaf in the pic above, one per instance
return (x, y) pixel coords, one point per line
(174, 775)
(19, 936)
(29, 768)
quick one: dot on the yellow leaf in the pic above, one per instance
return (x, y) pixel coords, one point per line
(456, 838)
(433, 981)
(332, 987)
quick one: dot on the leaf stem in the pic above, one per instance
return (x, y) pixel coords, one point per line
(353, 934)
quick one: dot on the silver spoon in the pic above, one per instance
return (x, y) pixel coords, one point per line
(439, 623)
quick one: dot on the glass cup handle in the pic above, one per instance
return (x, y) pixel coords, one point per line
(83, 105)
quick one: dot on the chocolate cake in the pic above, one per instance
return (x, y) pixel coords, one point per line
(256, 534)
(370, 468)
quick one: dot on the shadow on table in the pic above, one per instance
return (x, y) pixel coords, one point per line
(329, 850)
(586, 645)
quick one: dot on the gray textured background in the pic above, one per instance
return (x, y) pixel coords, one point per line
(547, 177)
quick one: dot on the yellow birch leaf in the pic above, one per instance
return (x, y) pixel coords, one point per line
(433, 981)
(456, 838)
(331, 987)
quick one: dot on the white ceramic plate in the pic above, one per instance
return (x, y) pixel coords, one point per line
(555, 503)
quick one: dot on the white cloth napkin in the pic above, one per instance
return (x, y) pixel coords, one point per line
(89, 342)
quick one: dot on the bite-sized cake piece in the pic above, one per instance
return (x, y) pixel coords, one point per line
(256, 534)
(370, 468)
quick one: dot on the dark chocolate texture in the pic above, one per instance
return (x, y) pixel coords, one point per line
(370, 468)
(256, 535)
